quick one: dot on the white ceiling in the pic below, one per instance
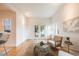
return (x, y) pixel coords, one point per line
(36, 9)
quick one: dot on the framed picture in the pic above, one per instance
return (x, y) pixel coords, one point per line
(71, 25)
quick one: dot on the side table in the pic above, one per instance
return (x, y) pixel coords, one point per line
(68, 44)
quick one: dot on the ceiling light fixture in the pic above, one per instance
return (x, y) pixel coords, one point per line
(28, 14)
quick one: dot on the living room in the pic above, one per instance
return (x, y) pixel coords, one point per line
(39, 23)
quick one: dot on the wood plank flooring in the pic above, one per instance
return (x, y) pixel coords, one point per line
(11, 51)
(26, 49)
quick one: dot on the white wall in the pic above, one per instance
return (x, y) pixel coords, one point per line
(20, 28)
(68, 11)
(36, 21)
(25, 27)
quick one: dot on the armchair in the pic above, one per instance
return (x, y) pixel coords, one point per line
(56, 42)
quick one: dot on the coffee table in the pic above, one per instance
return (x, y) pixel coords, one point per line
(45, 50)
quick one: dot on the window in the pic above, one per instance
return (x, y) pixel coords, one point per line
(42, 27)
(39, 30)
(7, 25)
(36, 31)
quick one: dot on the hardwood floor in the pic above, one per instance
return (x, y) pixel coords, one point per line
(26, 49)
(11, 51)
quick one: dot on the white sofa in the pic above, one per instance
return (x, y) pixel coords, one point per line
(52, 43)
